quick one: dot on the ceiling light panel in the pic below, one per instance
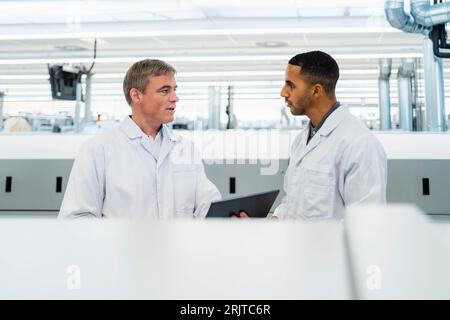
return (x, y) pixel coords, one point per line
(241, 12)
(74, 12)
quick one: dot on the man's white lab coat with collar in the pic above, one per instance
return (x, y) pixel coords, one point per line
(343, 164)
(115, 175)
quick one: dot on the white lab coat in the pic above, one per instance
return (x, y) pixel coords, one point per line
(116, 175)
(343, 164)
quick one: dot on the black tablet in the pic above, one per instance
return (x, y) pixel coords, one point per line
(256, 205)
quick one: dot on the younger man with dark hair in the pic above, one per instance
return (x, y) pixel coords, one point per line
(336, 161)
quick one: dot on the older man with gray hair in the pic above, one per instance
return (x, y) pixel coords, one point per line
(140, 169)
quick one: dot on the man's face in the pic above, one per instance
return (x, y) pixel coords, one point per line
(297, 92)
(159, 100)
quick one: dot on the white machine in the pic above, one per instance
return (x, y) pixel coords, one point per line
(34, 169)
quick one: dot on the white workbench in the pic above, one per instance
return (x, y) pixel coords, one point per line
(398, 253)
(173, 260)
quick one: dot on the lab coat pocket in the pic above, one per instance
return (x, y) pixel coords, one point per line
(319, 175)
(318, 193)
(184, 188)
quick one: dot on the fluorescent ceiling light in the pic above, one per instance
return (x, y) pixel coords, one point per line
(235, 73)
(24, 77)
(65, 8)
(229, 73)
(136, 6)
(359, 71)
(134, 59)
(298, 3)
(352, 56)
(197, 32)
(201, 74)
(280, 57)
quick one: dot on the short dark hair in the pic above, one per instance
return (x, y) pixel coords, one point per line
(318, 67)
(139, 73)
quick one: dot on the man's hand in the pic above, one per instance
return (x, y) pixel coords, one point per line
(242, 214)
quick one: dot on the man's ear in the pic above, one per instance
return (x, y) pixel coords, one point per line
(135, 95)
(318, 90)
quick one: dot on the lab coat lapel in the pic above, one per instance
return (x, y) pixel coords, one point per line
(168, 143)
(145, 143)
(333, 121)
(313, 143)
(166, 147)
(329, 125)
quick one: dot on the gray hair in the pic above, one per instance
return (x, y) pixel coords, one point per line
(140, 72)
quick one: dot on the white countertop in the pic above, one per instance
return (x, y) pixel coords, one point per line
(393, 252)
(172, 260)
(398, 253)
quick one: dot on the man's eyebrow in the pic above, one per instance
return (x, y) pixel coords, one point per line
(167, 87)
(289, 82)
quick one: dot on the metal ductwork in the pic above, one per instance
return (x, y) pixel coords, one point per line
(429, 15)
(398, 19)
(405, 74)
(423, 17)
(385, 66)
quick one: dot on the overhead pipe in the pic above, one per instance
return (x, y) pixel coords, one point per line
(398, 18)
(423, 17)
(405, 74)
(384, 96)
(429, 15)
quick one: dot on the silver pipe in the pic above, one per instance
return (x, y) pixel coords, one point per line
(417, 105)
(231, 124)
(384, 93)
(404, 77)
(429, 15)
(87, 99)
(398, 18)
(214, 107)
(77, 108)
(434, 88)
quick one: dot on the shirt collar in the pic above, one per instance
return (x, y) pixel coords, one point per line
(333, 121)
(132, 130)
(324, 118)
(167, 132)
